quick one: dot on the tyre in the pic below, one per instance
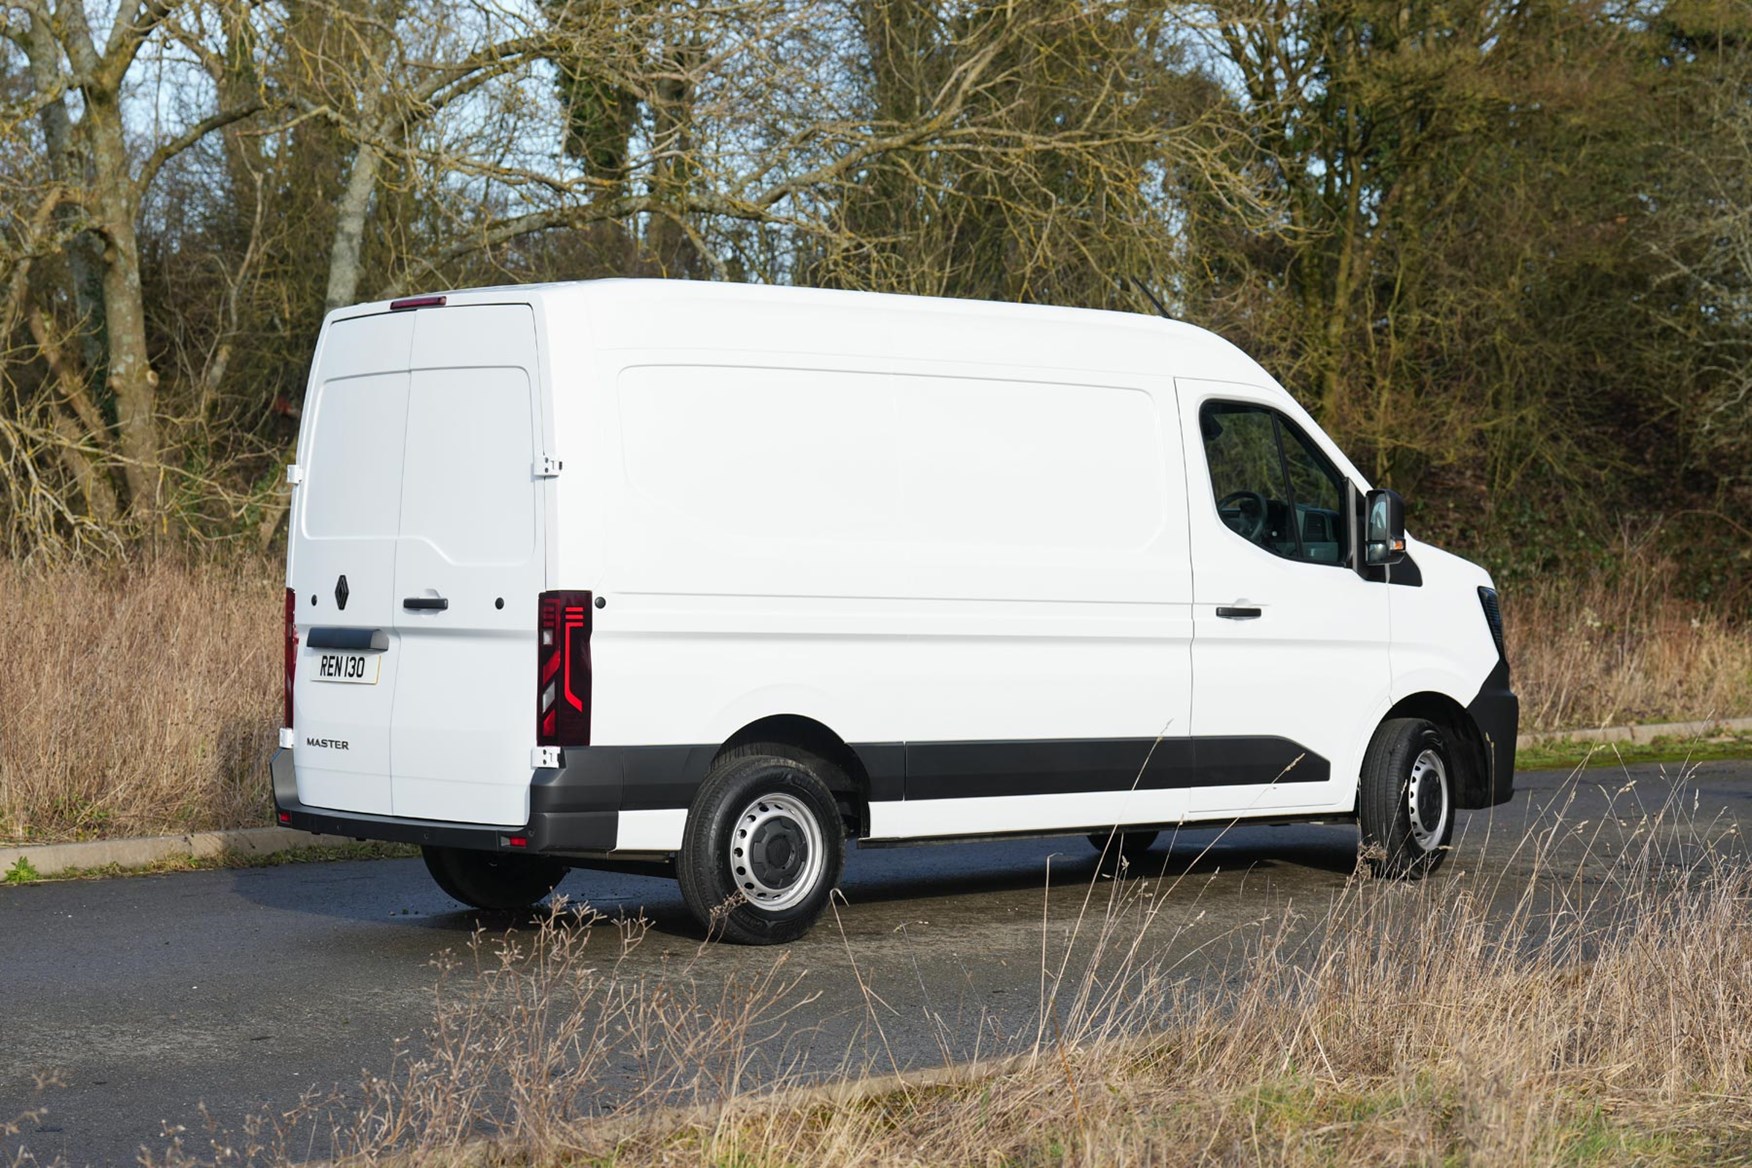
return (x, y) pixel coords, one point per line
(1406, 801)
(492, 880)
(763, 846)
(1115, 845)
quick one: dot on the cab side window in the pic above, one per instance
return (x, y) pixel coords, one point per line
(1271, 484)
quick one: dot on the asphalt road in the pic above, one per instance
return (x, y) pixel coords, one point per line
(243, 990)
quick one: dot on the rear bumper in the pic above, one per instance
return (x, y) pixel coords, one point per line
(574, 810)
(1497, 712)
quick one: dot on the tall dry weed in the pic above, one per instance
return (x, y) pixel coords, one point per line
(136, 700)
(1606, 651)
(1594, 1013)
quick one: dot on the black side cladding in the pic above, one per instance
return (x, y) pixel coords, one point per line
(574, 808)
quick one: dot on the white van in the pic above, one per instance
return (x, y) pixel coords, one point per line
(720, 577)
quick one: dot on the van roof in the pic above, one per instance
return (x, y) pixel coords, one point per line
(700, 315)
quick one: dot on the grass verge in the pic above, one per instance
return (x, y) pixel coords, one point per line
(23, 872)
(1567, 753)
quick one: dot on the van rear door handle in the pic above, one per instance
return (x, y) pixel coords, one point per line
(425, 603)
(356, 639)
(1230, 613)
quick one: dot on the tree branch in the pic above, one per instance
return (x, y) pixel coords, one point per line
(505, 54)
(76, 40)
(126, 36)
(156, 160)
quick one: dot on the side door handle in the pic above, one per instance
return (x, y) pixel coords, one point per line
(425, 603)
(1229, 612)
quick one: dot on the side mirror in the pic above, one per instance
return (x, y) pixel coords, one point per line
(1384, 531)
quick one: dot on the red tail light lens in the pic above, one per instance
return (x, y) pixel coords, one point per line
(291, 650)
(562, 686)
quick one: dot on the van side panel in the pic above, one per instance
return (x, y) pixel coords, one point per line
(901, 551)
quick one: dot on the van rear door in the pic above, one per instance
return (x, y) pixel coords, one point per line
(343, 561)
(469, 568)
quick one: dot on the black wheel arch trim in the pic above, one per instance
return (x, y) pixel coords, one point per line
(1482, 735)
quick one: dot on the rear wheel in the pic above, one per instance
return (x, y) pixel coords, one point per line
(764, 845)
(492, 880)
(1116, 845)
(1406, 801)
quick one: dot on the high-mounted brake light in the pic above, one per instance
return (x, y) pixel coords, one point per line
(291, 650)
(417, 302)
(562, 685)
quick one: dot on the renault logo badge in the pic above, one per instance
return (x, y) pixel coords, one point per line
(341, 593)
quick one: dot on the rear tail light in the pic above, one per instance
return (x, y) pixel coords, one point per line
(291, 651)
(562, 686)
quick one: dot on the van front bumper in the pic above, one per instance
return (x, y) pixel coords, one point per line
(573, 812)
(1497, 713)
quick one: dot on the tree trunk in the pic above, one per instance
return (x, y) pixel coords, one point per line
(83, 260)
(1338, 310)
(131, 377)
(90, 429)
(349, 237)
(673, 146)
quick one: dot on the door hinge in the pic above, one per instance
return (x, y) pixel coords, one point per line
(548, 467)
(294, 474)
(545, 757)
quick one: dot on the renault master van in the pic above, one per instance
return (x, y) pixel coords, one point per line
(722, 578)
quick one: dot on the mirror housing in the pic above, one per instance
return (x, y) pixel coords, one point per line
(1384, 528)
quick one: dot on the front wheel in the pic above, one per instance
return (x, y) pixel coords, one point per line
(492, 880)
(763, 847)
(1406, 801)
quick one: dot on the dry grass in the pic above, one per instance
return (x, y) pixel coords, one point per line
(1607, 652)
(143, 700)
(1599, 1013)
(136, 701)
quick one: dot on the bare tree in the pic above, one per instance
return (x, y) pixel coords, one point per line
(79, 85)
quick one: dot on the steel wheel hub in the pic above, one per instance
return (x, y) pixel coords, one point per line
(776, 852)
(1426, 797)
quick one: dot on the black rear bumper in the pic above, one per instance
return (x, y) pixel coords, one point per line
(1497, 712)
(573, 811)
